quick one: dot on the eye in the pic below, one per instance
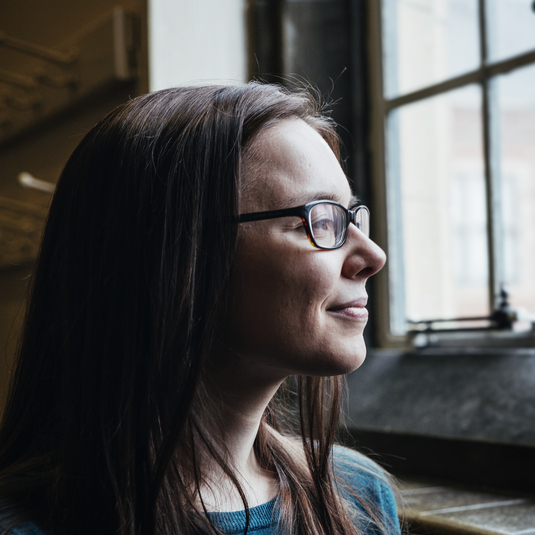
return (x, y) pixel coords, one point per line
(327, 223)
(322, 224)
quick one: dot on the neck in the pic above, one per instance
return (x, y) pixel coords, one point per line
(241, 398)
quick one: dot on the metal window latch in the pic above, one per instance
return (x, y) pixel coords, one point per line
(504, 327)
(501, 319)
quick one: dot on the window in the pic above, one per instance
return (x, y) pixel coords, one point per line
(453, 85)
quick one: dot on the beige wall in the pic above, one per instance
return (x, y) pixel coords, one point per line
(199, 41)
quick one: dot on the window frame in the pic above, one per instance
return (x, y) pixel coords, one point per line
(390, 282)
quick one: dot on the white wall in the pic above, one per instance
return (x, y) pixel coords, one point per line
(196, 41)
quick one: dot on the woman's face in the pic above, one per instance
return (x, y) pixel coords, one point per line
(297, 309)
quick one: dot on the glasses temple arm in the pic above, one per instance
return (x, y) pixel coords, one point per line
(272, 214)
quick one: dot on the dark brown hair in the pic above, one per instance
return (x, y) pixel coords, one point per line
(108, 416)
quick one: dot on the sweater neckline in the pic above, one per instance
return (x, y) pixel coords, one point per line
(260, 517)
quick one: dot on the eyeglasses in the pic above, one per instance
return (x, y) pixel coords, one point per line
(325, 222)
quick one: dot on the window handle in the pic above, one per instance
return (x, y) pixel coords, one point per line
(501, 319)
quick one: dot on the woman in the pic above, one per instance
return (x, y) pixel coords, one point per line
(172, 298)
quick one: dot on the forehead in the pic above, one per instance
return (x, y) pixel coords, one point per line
(289, 164)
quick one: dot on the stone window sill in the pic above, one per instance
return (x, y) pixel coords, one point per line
(432, 507)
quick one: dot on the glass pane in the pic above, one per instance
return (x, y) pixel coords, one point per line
(442, 213)
(428, 41)
(512, 24)
(517, 132)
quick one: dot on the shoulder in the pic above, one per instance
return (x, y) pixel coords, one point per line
(357, 469)
(10, 526)
(366, 486)
(24, 528)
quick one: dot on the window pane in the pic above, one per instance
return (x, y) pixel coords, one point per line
(428, 41)
(517, 132)
(512, 22)
(442, 209)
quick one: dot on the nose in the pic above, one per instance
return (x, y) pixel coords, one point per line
(364, 257)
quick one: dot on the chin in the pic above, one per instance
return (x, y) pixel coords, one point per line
(357, 358)
(353, 365)
(351, 357)
(341, 363)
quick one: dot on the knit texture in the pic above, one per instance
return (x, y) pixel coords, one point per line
(357, 472)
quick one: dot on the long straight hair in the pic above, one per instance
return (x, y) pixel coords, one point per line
(108, 417)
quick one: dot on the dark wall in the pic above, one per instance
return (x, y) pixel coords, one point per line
(462, 414)
(321, 43)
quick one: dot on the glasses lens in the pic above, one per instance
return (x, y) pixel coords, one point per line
(328, 224)
(362, 220)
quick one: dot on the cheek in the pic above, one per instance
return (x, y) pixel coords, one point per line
(279, 302)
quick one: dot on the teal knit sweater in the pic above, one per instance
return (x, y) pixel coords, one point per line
(358, 473)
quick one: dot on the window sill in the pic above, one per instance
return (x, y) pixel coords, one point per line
(474, 339)
(430, 506)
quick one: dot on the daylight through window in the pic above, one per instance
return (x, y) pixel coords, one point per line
(457, 80)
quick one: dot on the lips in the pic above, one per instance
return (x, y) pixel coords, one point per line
(352, 309)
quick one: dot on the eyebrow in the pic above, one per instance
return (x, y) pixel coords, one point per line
(320, 196)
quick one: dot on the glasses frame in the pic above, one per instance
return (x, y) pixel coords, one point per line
(303, 212)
